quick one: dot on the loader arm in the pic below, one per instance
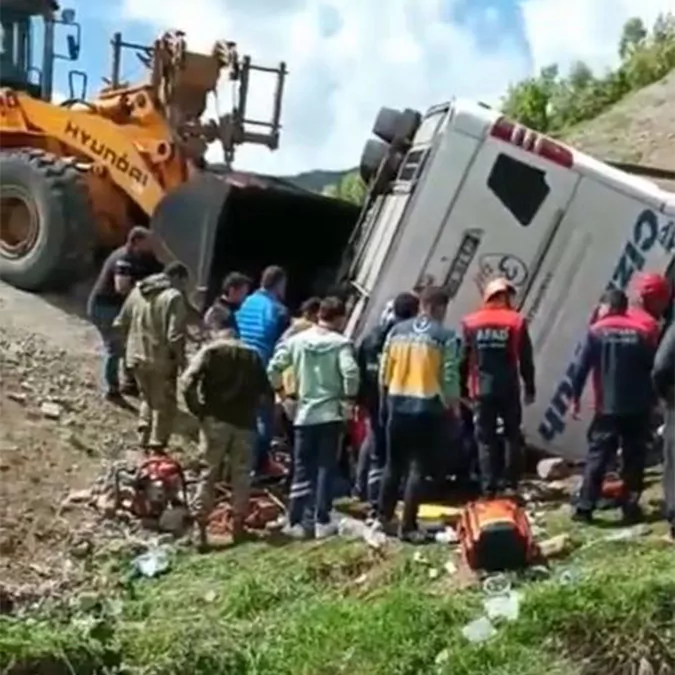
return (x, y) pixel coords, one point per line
(125, 152)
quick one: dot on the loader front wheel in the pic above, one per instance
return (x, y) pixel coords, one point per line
(46, 225)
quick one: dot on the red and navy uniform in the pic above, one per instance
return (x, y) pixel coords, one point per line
(497, 348)
(650, 322)
(496, 355)
(619, 355)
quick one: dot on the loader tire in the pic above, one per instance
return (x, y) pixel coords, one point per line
(47, 233)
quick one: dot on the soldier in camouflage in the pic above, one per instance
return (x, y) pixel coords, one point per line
(223, 386)
(153, 323)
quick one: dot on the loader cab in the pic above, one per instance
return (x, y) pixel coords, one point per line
(28, 48)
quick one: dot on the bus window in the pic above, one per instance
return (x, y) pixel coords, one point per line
(520, 187)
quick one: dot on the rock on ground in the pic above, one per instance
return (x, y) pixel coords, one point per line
(57, 436)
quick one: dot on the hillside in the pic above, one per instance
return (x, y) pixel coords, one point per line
(316, 180)
(639, 129)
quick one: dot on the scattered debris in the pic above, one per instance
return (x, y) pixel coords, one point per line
(51, 411)
(628, 533)
(420, 558)
(17, 396)
(153, 562)
(479, 630)
(556, 546)
(263, 510)
(77, 497)
(81, 547)
(447, 536)
(553, 468)
(353, 528)
(496, 584)
(450, 568)
(503, 606)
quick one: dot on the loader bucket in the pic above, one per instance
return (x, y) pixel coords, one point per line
(185, 223)
(220, 223)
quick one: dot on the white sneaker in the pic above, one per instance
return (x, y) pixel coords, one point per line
(325, 530)
(297, 532)
(277, 524)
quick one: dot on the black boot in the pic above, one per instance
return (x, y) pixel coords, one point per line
(583, 516)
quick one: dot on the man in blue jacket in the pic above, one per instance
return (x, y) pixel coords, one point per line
(262, 318)
(619, 352)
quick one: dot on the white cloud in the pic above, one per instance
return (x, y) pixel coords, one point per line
(586, 30)
(347, 58)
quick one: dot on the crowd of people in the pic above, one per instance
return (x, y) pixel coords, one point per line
(422, 386)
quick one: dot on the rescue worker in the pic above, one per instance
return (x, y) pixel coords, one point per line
(387, 315)
(419, 381)
(496, 355)
(619, 351)
(125, 266)
(223, 387)
(663, 376)
(222, 313)
(651, 302)
(262, 319)
(153, 324)
(327, 379)
(374, 449)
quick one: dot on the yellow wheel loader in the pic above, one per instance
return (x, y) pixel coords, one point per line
(76, 176)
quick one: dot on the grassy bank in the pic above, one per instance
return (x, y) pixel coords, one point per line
(340, 608)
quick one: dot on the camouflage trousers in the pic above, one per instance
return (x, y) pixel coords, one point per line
(158, 405)
(228, 451)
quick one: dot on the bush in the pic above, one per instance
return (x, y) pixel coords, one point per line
(351, 188)
(550, 103)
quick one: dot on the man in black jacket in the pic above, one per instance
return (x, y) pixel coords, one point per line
(663, 376)
(124, 267)
(374, 450)
(221, 314)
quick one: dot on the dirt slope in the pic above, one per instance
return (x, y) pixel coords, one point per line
(640, 130)
(57, 435)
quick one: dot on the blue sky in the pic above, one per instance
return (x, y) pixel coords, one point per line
(349, 57)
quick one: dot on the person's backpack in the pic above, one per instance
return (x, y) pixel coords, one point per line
(495, 535)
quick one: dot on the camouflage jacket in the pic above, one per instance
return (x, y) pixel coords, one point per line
(153, 324)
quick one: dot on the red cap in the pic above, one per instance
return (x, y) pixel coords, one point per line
(651, 286)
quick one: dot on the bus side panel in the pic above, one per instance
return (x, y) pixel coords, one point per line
(605, 238)
(514, 201)
(416, 239)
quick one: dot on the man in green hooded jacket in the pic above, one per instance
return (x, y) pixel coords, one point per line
(153, 324)
(326, 378)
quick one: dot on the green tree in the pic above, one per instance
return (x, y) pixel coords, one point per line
(581, 76)
(528, 102)
(550, 102)
(633, 37)
(350, 188)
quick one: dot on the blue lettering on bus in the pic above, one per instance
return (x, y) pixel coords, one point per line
(645, 236)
